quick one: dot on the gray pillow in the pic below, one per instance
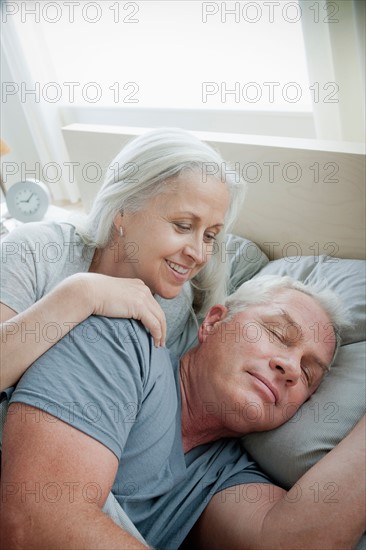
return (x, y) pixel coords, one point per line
(287, 452)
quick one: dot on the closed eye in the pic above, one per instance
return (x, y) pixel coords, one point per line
(312, 374)
(306, 372)
(274, 334)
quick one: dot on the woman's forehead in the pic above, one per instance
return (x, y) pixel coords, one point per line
(191, 194)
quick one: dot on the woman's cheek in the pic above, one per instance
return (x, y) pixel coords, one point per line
(210, 249)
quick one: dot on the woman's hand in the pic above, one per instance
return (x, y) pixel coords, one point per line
(129, 299)
(25, 337)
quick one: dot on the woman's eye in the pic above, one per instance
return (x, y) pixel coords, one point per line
(183, 226)
(209, 237)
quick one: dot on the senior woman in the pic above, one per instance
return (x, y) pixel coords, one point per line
(152, 228)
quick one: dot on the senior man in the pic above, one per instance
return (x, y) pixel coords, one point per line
(105, 409)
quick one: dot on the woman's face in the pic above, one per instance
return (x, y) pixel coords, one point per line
(171, 239)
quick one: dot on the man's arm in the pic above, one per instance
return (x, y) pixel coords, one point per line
(325, 509)
(55, 480)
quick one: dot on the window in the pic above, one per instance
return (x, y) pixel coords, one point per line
(181, 54)
(265, 67)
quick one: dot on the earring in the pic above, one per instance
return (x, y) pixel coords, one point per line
(121, 231)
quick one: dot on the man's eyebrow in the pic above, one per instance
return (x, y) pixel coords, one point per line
(282, 313)
(288, 318)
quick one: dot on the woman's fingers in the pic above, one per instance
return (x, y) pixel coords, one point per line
(155, 322)
(130, 299)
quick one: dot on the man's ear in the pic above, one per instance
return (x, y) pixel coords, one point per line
(214, 315)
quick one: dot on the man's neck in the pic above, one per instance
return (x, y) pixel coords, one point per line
(200, 420)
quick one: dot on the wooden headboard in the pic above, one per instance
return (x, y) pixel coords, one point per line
(305, 197)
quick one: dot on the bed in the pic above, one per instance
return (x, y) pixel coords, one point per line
(304, 217)
(287, 452)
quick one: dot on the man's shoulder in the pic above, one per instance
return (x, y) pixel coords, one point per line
(118, 340)
(99, 378)
(119, 331)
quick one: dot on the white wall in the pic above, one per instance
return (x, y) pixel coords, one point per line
(304, 196)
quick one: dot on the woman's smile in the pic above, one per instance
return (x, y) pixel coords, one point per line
(173, 234)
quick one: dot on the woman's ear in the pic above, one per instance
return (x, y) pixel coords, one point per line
(117, 221)
(214, 315)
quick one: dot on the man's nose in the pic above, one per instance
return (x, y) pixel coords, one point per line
(287, 367)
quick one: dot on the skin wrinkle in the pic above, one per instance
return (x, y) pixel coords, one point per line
(288, 321)
(189, 216)
(242, 372)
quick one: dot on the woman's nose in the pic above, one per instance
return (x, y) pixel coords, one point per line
(195, 249)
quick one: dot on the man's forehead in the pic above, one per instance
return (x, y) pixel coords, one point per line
(290, 306)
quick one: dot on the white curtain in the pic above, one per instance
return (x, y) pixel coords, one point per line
(34, 116)
(334, 36)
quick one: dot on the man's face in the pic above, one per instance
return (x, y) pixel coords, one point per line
(264, 363)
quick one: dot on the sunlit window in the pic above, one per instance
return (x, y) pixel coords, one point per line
(179, 54)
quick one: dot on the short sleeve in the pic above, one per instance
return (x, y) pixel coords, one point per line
(92, 379)
(36, 257)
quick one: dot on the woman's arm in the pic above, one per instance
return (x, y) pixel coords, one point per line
(27, 335)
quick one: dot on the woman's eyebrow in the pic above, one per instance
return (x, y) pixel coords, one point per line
(194, 216)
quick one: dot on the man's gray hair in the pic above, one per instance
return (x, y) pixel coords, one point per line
(263, 289)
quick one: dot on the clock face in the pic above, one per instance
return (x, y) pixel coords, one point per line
(28, 200)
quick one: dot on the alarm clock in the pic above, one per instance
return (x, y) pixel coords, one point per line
(28, 200)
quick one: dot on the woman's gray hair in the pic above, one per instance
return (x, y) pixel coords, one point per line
(141, 171)
(263, 289)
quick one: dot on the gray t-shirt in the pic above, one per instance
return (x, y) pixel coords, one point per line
(107, 379)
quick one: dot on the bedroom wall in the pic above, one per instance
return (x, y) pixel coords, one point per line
(305, 197)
